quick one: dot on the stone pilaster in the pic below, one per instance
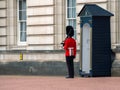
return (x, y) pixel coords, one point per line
(60, 20)
(3, 24)
(11, 24)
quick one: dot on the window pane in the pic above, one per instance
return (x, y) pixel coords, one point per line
(22, 15)
(74, 12)
(20, 5)
(24, 5)
(23, 31)
(70, 22)
(22, 9)
(67, 3)
(73, 3)
(70, 3)
(23, 36)
(69, 12)
(74, 24)
(23, 26)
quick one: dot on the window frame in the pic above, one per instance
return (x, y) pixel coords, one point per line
(71, 18)
(19, 26)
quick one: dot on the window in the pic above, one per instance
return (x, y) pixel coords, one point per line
(71, 14)
(22, 21)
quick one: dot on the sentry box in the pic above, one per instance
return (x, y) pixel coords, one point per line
(95, 56)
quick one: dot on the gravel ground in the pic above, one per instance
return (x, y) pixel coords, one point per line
(58, 83)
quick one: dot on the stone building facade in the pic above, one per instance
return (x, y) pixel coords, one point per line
(34, 29)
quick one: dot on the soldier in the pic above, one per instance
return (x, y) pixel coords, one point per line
(69, 46)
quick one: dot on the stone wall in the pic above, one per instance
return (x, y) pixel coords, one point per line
(3, 24)
(35, 63)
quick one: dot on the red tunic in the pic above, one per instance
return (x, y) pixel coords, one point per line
(70, 47)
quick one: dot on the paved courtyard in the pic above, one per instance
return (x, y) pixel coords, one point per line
(58, 83)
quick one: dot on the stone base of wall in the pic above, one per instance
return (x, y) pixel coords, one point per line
(42, 63)
(36, 68)
(35, 63)
(116, 68)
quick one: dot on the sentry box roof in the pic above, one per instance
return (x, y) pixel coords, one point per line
(94, 10)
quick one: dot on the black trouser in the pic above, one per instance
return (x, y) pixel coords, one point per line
(70, 65)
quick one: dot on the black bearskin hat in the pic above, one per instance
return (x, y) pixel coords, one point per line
(69, 31)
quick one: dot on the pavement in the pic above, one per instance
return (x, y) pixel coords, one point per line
(58, 83)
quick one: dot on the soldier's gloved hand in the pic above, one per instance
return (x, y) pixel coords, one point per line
(63, 43)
